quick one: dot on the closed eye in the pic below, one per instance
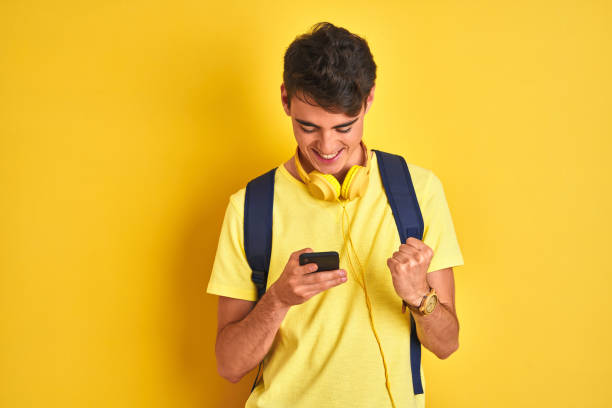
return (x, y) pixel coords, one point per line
(312, 130)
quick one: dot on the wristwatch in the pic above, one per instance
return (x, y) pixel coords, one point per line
(427, 305)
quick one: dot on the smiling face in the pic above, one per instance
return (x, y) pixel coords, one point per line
(327, 142)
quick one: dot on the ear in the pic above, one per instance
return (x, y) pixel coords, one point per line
(370, 99)
(285, 99)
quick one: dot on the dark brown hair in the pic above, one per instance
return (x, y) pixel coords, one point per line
(330, 66)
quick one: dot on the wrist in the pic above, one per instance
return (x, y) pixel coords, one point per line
(427, 304)
(275, 300)
(416, 300)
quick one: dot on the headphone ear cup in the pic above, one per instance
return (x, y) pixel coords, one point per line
(323, 186)
(355, 183)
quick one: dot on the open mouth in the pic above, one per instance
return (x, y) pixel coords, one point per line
(328, 158)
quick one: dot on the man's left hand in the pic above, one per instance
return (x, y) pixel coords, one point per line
(409, 270)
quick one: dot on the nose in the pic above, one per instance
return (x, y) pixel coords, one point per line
(328, 143)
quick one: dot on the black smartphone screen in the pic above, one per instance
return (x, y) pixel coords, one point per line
(326, 261)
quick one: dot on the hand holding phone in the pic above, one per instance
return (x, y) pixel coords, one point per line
(298, 283)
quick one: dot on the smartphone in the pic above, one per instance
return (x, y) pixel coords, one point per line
(326, 261)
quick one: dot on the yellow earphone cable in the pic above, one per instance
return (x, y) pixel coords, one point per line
(368, 302)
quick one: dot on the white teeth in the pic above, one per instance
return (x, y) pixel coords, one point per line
(329, 156)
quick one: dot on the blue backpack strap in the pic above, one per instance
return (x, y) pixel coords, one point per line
(403, 201)
(258, 206)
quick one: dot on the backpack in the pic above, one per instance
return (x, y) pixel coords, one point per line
(258, 207)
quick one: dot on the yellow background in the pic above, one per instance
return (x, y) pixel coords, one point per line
(125, 126)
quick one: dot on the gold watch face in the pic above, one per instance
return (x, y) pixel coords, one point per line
(431, 304)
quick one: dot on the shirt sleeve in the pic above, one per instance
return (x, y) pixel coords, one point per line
(439, 233)
(231, 273)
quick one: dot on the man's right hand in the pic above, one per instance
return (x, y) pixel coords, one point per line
(297, 284)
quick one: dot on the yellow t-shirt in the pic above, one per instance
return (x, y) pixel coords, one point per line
(325, 353)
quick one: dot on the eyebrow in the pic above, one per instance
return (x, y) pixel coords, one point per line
(305, 123)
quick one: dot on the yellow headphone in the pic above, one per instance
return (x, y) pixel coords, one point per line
(326, 187)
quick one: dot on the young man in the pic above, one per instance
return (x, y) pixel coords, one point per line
(335, 338)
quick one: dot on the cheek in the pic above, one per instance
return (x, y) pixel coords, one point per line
(303, 142)
(358, 130)
(354, 138)
(302, 138)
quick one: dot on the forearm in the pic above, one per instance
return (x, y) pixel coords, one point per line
(438, 331)
(240, 346)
